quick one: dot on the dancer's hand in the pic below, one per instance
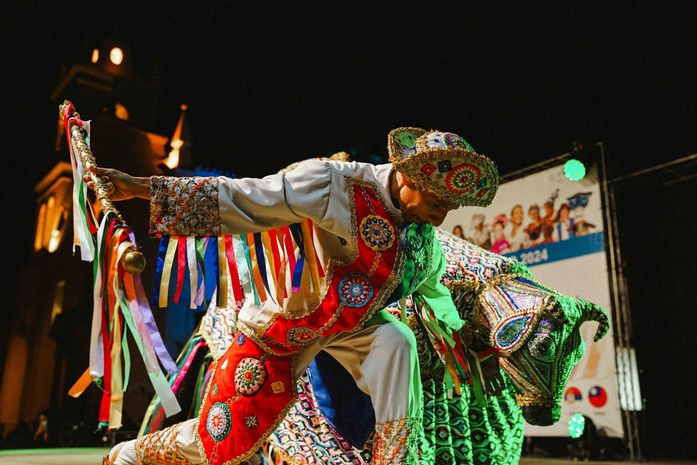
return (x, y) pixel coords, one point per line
(121, 186)
(467, 335)
(493, 381)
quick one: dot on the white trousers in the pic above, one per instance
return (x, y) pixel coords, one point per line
(383, 360)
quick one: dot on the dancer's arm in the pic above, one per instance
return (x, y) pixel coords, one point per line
(219, 205)
(438, 296)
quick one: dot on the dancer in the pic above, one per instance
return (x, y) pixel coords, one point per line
(368, 240)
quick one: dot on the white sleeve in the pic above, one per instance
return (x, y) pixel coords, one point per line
(220, 205)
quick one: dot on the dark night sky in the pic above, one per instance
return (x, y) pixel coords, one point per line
(267, 85)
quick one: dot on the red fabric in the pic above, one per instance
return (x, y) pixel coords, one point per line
(265, 404)
(181, 268)
(275, 252)
(234, 273)
(277, 333)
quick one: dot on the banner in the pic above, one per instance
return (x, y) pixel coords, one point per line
(555, 226)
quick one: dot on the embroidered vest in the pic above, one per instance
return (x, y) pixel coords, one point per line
(253, 384)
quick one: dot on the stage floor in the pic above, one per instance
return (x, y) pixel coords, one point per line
(59, 456)
(545, 461)
(93, 456)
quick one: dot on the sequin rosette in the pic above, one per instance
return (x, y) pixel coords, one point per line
(219, 421)
(249, 376)
(355, 289)
(377, 233)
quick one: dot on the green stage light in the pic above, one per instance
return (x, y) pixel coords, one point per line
(574, 170)
(576, 424)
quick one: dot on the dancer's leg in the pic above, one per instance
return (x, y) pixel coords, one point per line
(175, 445)
(383, 359)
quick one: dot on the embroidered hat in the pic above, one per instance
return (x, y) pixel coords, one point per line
(445, 164)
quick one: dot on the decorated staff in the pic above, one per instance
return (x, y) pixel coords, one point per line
(120, 303)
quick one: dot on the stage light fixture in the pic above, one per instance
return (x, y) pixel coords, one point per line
(95, 55)
(576, 425)
(583, 438)
(116, 56)
(121, 112)
(574, 170)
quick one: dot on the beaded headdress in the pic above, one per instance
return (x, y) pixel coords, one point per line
(445, 164)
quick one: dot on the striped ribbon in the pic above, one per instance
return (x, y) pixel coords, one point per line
(84, 222)
(271, 265)
(121, 308)
(119, 304)
(449, 344)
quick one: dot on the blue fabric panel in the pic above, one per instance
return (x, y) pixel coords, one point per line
(348, 409)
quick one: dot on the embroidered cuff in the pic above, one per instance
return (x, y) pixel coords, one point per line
(184, 206)
(160, 448)
(397, 442)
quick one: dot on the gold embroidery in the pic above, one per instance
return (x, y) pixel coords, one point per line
(397, 442)
(278, 387)
(464, 286)
(377, 234)
(160, 448)
(251, 421)
(525, 400)
(184, 206)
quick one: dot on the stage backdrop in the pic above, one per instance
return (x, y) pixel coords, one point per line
(555, 226)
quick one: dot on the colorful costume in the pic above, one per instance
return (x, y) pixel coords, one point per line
(536, 329)
(336, 253)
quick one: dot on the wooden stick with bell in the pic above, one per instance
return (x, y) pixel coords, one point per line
(133, 260)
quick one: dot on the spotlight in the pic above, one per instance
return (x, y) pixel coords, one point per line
(116, 56)
(576, 425)
(95, 55)
(574, 170)
(583, 443)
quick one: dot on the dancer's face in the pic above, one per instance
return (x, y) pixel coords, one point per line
(420, 206)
